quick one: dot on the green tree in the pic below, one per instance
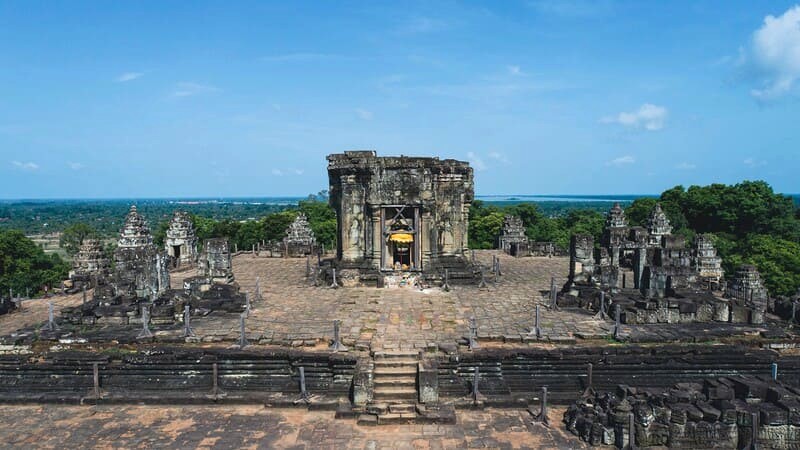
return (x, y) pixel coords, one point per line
(24, 266)
(73, 236)
(777, 260)
(483, 230)
(638, 212)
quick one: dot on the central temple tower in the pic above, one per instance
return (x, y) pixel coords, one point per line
(399, 213)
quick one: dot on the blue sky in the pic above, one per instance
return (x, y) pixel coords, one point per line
(163, 99)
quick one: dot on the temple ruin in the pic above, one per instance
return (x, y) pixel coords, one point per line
(215, 261)
(400, 214)
(512, 239)
(140, 269)
(140, 280)
(299, 240)
(181, 241)
(655, 276)
(88, 265)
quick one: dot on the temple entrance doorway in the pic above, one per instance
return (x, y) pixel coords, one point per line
(176, 252)
(400, 238)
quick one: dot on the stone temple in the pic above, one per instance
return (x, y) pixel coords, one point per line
(89, 264)
(140, 269)
(400, 214)
(299, 240)
(512, 239)
(655, 277)
(181, 241)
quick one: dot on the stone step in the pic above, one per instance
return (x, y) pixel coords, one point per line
(394, 381)
(395, 362)
(402, 408)
(392, 371)
(397, 418)
(397, 354)
(394, 394)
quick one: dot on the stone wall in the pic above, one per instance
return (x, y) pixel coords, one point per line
(514, 376)
(173, 375)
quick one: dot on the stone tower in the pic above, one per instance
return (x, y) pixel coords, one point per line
(399, 213)
(512, 239)
(299, 240)
(140, 270)
(658, 225)
(746, 286)
(181, 241)
(707, 263)
(135, 232)
(215, 261)
(89, 264)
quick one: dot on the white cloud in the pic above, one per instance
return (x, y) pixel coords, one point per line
(25, 165)
(420, 25)
(298, 171)
(128, 76)
(649, 116)
(773, 55)
(75, 165)
(621, 161)
(189, 88)
(753, 162)
(277, 172)
(686, 166)
(364, 114)
(497, 156)
(476, 161)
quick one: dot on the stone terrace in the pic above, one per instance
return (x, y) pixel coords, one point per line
(292, 312)
(254, 427)
(296, 313)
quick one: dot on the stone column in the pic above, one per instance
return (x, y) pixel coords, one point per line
(377, 237)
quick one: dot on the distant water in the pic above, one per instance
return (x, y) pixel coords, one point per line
(562, 198)
(285, 201)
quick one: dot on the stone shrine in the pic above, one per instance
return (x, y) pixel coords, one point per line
(181, 241)
(140, 269)
(299, 240)
(215, 261)
(89, 264)
(512, 239)
(746, 286)
(400, 213)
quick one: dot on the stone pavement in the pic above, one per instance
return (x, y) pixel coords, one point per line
(256, 427)
(293, 312)
(34, 311)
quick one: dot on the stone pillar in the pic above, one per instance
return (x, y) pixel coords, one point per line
(377, 237)
(639, 261)
(428, 380)
(362, 382)
(352, 220)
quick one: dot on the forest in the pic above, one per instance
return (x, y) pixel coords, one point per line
(749, 221)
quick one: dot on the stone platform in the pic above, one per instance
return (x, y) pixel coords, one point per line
(292, 312)
(255, 427)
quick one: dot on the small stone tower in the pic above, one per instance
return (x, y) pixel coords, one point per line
(181, 240)
(299, 240)
(658, 225)
(140, 269)
(512, 239)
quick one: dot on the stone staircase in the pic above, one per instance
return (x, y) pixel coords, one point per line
(394, 395)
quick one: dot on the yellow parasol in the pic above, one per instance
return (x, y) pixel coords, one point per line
(402, 238)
